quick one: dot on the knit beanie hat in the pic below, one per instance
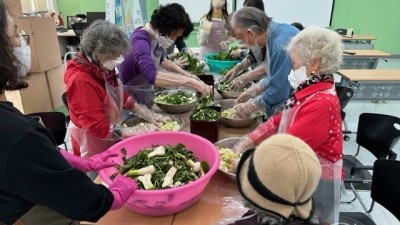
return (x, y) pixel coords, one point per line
(280, 176)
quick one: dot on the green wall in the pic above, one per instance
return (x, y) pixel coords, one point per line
(73, 7)
(379, 18)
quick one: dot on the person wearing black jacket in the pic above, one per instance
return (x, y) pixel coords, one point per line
(38, 183)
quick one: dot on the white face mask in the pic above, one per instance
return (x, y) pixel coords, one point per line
(112, 64)
(218, 3)
(166, 42)
(23, 54)
(296, 77)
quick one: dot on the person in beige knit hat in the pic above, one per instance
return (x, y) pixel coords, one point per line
(277, 180)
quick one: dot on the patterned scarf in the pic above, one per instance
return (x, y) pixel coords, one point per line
(313, 79)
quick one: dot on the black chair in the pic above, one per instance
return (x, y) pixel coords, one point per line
(344, 94)
(78, 28)
(65, 101)
(55, 123)
(378, 134)
(385, 190)
(343, 31)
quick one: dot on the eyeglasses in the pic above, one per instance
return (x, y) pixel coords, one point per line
(22, 35)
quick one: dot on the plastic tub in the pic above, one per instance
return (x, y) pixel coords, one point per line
(173, 200)
(217, 65)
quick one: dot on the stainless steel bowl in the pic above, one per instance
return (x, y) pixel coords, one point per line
(233, 122)
(175, 109)
(228, 143)
(231, 94)
(134, 120)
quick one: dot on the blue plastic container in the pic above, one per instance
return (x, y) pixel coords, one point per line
(217, 65)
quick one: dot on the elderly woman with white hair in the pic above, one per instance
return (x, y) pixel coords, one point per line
(312, 112)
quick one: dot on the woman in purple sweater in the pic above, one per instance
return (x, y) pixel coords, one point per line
(146, 66)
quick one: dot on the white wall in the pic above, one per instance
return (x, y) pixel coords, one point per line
(307, 12)
(196, 8)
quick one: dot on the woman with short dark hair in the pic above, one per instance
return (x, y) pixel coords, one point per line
(146, 65)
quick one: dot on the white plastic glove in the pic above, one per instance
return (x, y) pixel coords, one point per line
(168, 80)
(182, 62)
(252, 92)
(170, 66)
(244, 144)
(133, 131)
(236, 53)
(232, 73)
(224, 45)
(243, 79)
(244, 110)
(150, 116)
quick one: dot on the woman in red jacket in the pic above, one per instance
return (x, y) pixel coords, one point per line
(95, 94)
(312, 112)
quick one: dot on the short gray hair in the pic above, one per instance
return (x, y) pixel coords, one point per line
(318, 43)
(251, 18)
(102, 40)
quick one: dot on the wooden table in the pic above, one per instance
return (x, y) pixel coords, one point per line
(358, 41)
(378, 84)
(362, 37)
(371, 75)
(362, 59)
(207, 211)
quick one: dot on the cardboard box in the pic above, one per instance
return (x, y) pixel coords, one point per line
(14, 7)
(35, 98)
(55, 80)
(43, 42)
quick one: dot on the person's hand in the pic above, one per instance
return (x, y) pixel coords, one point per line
(122, 188)
(157, 119)
(244, 144)
(244, 110)
(133, 131)
(236, 53)
(244, 97)
(230, 75)
(182, 61)
(238, 83)
(252, 92)
(224, 45)
(94, 163)
(101, 161)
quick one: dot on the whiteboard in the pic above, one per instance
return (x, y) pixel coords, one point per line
(306, 12)
(196, 8)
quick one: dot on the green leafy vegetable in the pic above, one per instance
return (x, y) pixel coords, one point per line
(178, 157)
(177, 98)
(203, 111)
(225, 56)
(194, 65)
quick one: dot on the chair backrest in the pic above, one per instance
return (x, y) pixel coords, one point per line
(344, 94)
(385, 185)
(78, 28)
(55, 123)
(377, 133)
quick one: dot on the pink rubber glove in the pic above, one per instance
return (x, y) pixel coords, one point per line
(122, 189)
(94, 163)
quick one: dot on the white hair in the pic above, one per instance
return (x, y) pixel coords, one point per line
(318, 43)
